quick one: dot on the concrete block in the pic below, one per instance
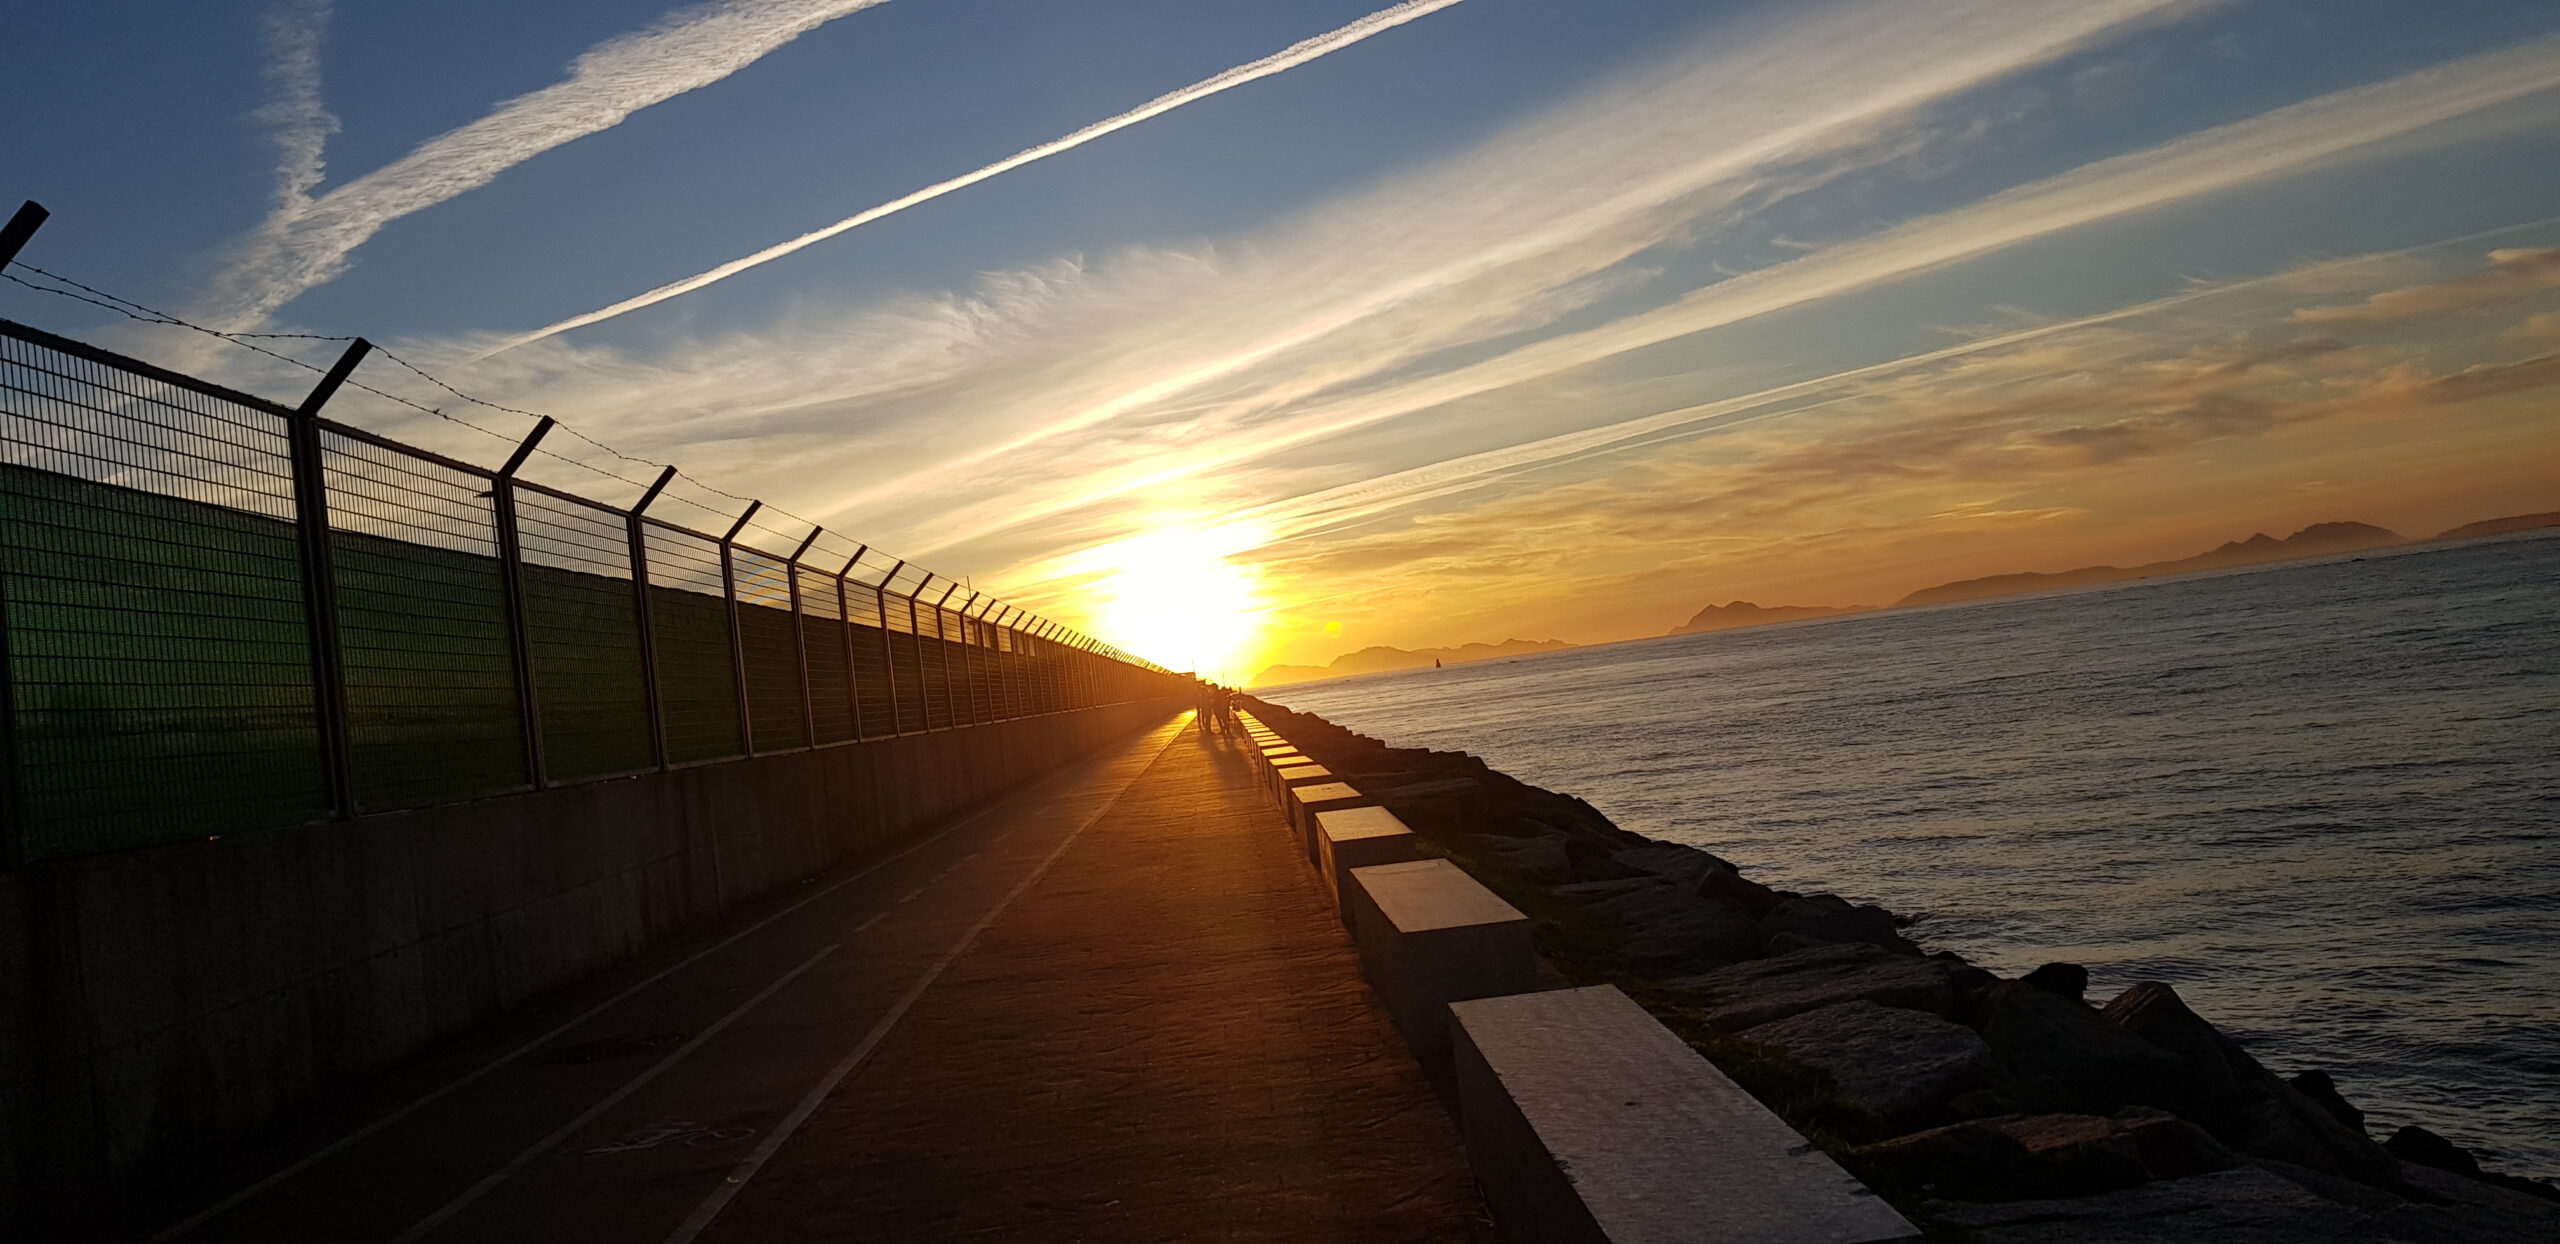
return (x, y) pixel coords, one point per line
(1303, 802)
(1430, 935)
(1349, 838)
(1588, 1122)
(1284, 775)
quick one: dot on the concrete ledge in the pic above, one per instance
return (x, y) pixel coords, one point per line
(1430, 935)
(1588, 1122)
(1303, 803)
(1349, 838)
(1298, 773)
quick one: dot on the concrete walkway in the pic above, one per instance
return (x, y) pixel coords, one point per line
(1114, 1008)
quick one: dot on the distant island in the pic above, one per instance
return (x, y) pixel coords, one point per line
(1379, 660)
(2316, 540)
(1732, 614)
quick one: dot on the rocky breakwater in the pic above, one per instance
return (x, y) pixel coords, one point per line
(1995, 1110)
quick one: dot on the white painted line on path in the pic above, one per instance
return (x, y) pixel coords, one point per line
(773, 1141)
(592, 1113)
(865, 926)
(912, 895)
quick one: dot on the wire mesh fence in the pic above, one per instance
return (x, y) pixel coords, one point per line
(219, 613)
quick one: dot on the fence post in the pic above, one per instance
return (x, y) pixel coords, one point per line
(655, 699)
(844, 628)
(319, 581)
(13, 831)
(950, 706)
(969, 657)
(800, 639)
(22, 225)
(737, 640)
(502, 504)
(888, 650)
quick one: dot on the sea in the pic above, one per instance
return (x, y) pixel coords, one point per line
(2321, 798)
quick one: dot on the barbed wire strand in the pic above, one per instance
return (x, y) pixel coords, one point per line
(132, 310)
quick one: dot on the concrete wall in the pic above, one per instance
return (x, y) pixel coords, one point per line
(158, 998)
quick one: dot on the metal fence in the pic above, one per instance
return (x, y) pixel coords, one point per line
(220, 613)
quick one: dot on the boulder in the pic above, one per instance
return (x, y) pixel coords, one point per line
(2239, 1206)
(2060, 1056)
(2049, 1155)
(1899, 1065)
(2414, 1144)
(1666, 923)
(1831, 918)
(1541, 859)
(1671, 860)
(2324, 1093)
(2064, 980)
(1750, 994)
(2241, 1102)
(1731, 888)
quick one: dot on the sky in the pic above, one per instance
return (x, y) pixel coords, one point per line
(1249, 331)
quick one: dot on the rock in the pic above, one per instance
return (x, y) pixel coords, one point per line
(2414, 1144)
(1899, 1065)
(2461, 1210)
(1831, 918)
(2049, 1155)
(2066, 980)
(1970, 1161)
(1789, 943)
(2323, 1093)
(1540, 859)
(1702, 932)
(2171, 1147)
(2156, 1014)
(1750, 994)
(2239, 1206)
(2417, 1144)
(2062, 1057)
(2241, 1102)
(1678, 863)
(1666, 923)
(1731, 888)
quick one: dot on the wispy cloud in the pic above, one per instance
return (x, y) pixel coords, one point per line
(2514, 273)
(306, 241)
(1294, 55)
(1512, 296)
(298, 121)
(2277, 143)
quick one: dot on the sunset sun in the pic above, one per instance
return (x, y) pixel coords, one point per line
(1175, 595)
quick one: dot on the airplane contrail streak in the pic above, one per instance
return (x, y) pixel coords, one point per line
(1287, 58)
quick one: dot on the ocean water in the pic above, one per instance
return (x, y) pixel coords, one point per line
(2322, 799)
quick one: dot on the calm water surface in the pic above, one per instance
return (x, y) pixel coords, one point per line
(2321, 799)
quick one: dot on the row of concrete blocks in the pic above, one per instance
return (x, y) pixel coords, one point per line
(1585, 1119)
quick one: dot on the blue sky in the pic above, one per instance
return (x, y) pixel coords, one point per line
(1342, 324)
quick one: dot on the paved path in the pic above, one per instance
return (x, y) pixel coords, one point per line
(1114, 1008)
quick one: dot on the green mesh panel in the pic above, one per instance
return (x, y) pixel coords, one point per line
(160, 667)
(697, 687)
(422, 621)
(766, 632)
(582, 627)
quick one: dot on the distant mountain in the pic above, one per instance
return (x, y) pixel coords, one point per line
(1379, 660)
(2501, 526)
(1732, 614)
(2316, 540)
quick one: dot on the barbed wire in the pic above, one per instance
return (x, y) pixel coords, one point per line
(142, 313)
(133, 310)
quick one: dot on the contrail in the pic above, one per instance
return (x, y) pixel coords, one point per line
(307, 240)
(292, 33)
(1290, 57)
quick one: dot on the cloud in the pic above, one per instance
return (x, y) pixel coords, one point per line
(1290, 57)
(306, 243)
(2513, 274)
(299, 122)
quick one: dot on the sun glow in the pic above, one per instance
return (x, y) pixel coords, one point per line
(1175, 596)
